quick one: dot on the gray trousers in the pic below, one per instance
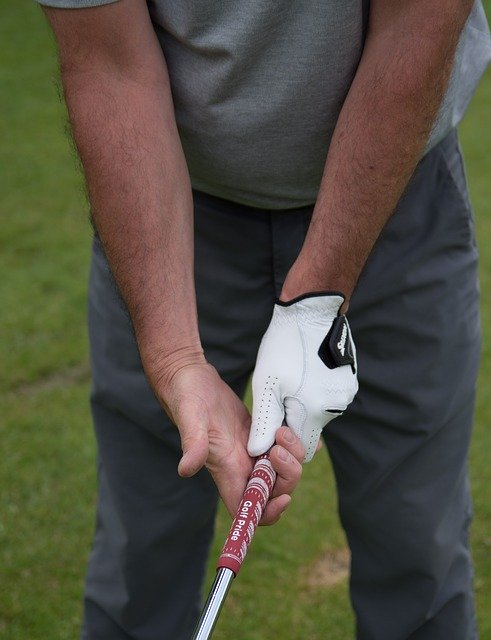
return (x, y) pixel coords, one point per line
(399, 453)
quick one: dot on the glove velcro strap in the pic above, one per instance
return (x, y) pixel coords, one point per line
(336, 349)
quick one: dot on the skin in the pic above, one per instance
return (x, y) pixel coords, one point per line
(379, 138)
(120, 107)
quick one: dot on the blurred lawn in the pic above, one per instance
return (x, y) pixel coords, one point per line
(47, 481)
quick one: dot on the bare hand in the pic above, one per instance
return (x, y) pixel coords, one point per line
(214, 426)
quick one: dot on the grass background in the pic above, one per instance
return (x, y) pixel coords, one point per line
(47, 476)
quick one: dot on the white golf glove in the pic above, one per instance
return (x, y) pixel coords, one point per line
(305, 373)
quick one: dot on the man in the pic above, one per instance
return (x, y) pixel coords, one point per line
(307, 130)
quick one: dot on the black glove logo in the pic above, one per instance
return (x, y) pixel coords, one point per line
(336, 349)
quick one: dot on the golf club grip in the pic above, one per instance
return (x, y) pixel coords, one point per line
(254, 500)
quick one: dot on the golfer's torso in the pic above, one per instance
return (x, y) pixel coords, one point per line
(258, 87)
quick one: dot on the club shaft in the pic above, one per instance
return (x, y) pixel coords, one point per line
(249, 512)
(218, 593)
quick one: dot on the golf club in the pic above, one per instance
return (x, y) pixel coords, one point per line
(254, 500)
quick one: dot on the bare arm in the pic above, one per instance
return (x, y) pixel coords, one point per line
(119, 101)
(120, 106)
(379, 138)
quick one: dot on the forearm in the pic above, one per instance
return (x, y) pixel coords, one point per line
(380, 135)
(141, 202)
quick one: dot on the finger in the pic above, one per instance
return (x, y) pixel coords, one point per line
(288, 471)
(267, 416)
(192, 423)
(275, 509)
(195, 452)
(231, 475)
(307, 426)
(287, 439)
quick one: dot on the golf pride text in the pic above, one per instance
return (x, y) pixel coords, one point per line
(239, 523)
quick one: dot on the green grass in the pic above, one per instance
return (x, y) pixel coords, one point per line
(47, 475)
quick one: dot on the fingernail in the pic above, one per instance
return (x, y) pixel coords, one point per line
(289, 436)
(286, 506)
(284, 455)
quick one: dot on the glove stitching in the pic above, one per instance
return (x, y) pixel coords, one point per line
(304, 358)
(302, 379)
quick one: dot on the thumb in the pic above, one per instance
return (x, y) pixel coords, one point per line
(191, 418)
(267, 416)
(307, 425)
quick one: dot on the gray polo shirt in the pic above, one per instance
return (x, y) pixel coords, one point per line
(258, 87)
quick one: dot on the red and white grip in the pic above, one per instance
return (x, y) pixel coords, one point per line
(254, 500)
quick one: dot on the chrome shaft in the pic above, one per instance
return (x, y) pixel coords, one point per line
(218, 593)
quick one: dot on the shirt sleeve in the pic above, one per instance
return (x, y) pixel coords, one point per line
(74, 4)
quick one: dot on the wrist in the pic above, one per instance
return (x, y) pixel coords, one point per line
(312, 272)
(161, 365)
(291, 293)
